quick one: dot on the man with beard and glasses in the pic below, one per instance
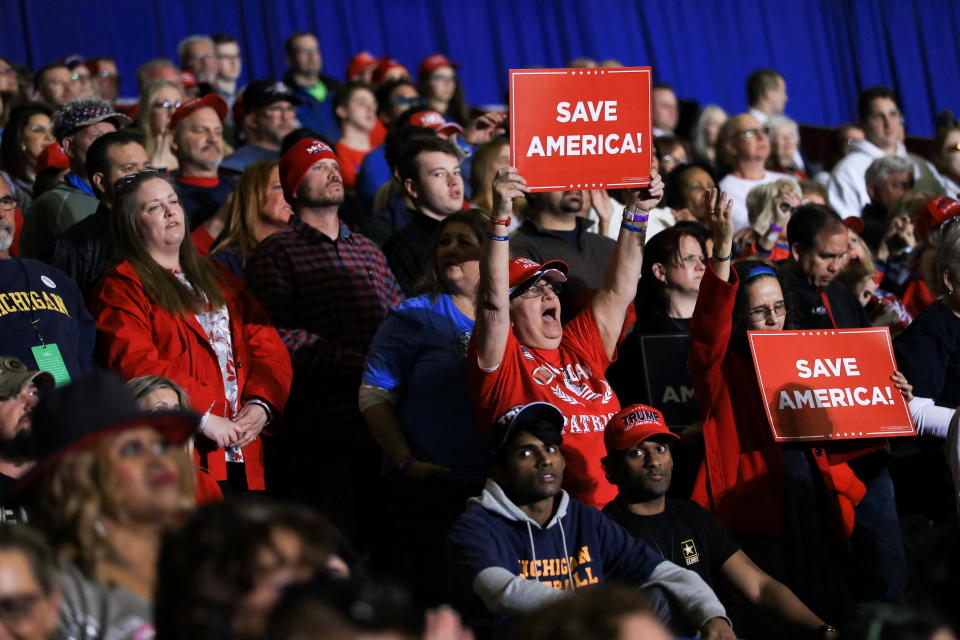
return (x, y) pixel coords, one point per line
(553, 230)
(640, 462)
(326, 289)
(43, 319)
(20, 390)
(197, 143)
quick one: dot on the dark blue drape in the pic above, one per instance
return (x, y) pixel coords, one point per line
(827, 49)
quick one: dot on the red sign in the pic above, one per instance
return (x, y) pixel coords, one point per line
(829, 385)
(581, 128)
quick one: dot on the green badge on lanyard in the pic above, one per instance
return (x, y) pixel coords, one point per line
(49, 359)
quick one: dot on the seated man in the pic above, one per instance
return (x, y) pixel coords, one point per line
(524, 542)
(640, 463)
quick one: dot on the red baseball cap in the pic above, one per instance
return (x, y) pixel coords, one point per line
(934, 213)
(52, 157)
(211, 100)
(358, 64)
(297, 161)
(384, 66)
(433, 120)
(631, 426)
(431, 63)
(524, 272)
(854, 223)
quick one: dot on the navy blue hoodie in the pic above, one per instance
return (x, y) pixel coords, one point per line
(504, 562)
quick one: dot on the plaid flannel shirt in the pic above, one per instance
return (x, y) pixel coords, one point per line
(326, 298)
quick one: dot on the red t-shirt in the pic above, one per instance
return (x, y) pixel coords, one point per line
(350, 161)
(572, 379)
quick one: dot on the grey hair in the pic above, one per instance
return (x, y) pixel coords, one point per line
(699, 141)
(760, 197)
(881, 168)
(781, 121)
(183, 47)
(144, 70)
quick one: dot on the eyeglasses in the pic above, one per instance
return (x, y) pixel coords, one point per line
(750, 133)
(538, 290)
(201, 56)
(17, 609)
(9, 202)
(166, 105)
(759, 314)
(690, 259)
(953, 148)
(76, 77)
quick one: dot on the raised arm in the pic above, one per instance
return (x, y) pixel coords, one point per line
(493, 300)
(619, 288)
(720, 215)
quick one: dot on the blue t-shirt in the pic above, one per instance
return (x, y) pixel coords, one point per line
(419, 353)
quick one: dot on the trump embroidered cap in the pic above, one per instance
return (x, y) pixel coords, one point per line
(297, 161)
(631, 426)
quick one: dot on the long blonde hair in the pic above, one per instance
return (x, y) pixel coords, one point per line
(161, 285)
(80, 490)
(244, 207)
(142, 122)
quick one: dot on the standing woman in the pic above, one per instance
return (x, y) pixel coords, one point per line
(785, 504)
(167, 311)
(27, 134)
(674, 262)
(415, 400)
(157, 104)
(254, 210)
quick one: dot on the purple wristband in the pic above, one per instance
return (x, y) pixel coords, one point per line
(776, 227)
(633, 216)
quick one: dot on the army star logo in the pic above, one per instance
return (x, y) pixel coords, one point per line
(690, 554)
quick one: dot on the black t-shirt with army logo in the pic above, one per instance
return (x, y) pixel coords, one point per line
(684, 533)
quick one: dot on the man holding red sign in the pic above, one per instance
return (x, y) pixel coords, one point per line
(520, 353)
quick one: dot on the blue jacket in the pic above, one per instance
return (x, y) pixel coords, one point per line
(314, 114)
(504, 562)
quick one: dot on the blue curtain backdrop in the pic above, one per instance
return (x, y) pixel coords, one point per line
(827, 49)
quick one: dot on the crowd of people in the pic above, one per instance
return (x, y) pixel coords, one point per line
(307, 358)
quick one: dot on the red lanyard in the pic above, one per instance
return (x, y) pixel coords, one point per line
(826, 305)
